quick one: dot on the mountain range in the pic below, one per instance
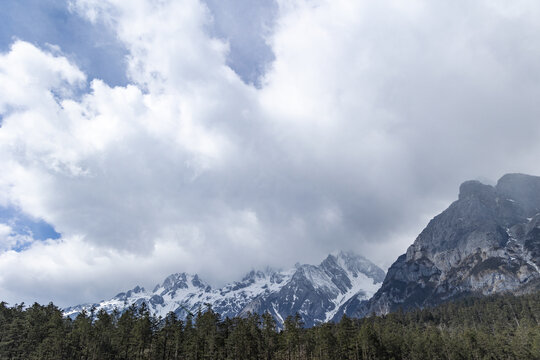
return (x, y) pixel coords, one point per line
(485, 242)
(315, 292)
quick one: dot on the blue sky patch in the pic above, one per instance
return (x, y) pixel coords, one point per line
(25, 225)
(245, 24)
(93, 47)
(96, 50)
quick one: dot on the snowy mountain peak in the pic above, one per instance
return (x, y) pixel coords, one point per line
(356, 264)
(180, 281)
(137, 290)
(253, 275)
(317, 292)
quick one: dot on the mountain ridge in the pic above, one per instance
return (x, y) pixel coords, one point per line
(486, 242)
(316, 292)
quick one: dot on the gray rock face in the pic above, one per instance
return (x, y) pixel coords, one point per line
(315, 292)
(486, 242)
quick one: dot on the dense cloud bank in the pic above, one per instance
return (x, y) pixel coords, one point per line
(361, 124)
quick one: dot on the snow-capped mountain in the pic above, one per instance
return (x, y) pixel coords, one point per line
(318, 292)
(315, 292)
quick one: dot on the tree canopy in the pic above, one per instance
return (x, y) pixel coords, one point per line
(503, 326)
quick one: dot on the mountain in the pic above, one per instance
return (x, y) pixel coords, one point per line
(318, 292)
(486, 242)
(315, 292)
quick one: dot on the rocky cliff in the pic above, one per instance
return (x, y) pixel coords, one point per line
(486, 242)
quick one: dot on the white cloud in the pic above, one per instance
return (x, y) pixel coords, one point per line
(9, 239)
(73, 270)
(367, 120)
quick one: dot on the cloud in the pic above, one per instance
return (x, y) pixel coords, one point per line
(246, 26)
(93, 48)
(9, 239)
(364, 124)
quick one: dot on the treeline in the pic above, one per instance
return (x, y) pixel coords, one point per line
(500, 327)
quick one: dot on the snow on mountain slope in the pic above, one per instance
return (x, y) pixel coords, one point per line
(362, 285)
(315, 292)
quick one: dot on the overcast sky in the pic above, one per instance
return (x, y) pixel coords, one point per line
(140, 138)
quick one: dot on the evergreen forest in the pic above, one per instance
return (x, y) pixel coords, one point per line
(496, 327)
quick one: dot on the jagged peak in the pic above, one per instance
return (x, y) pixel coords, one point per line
(344, 254)
(198, 282)
(474, 188)
(259, 274)
(515, 186)
(351, 256)
(354, 263)
(181, 281)
(518, 179)
(522, 188)
(136, 290)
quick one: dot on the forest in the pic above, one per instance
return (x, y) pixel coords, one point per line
(495, 327)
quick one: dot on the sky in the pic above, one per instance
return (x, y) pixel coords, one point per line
(146, 137)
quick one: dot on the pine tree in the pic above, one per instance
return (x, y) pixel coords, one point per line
(123, 339)
(269, 336)
(292, 332)
(206, 325)
(142, 331)
(80, 336)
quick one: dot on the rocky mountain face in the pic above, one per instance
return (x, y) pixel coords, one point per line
(316, 292)
(486, 242)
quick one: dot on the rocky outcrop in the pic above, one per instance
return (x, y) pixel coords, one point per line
(486, 242)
